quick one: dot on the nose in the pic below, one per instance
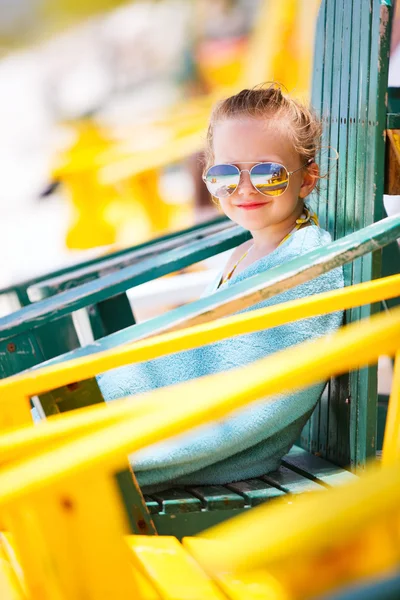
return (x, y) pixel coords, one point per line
(245, 186)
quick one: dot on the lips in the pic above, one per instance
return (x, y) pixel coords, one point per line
(252, 205)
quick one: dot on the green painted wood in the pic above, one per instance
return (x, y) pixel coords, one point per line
(394, 100)
(338, 140)
(393, 121)
(110, 264)
(45, 311)
(21, 288)
(255, 491)
(325, 154)
(153, 506)
(19, 353)
(310, 433)
(217, 497)
(371, 265)
(177, 500)
(191, 523)
(174, 512)
(290, 482)
(381, 421)
(338, 407)
(322, 100)
(138, 513)
(110, 316)
(70, 397)
(352, 52)
(315, 468)
(359, 198)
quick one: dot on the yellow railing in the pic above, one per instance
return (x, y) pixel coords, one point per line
(15, 391)
(64, 513)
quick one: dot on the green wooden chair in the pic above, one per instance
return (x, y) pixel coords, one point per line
(112, 313)
(349, 90)
(45, 329)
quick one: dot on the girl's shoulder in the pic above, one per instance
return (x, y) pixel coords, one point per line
(306, 239)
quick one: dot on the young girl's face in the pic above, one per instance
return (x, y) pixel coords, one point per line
(245, 142)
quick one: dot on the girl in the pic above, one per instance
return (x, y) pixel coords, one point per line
(261, 147)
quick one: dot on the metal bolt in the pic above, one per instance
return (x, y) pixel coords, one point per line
(141, 523)
(11, 347)
(72, 386)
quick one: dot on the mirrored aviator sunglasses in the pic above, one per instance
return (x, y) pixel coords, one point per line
(269, 178)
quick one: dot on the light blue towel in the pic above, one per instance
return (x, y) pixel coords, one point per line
(251, 441)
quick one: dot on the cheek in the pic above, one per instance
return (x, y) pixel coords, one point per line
(225, 204)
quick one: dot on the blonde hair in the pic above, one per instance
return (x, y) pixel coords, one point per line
(269, 102)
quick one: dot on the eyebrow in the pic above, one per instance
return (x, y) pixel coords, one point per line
(253, 162)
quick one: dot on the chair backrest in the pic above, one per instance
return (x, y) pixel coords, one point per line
(349, 93)
(25, 292)
(44, 329)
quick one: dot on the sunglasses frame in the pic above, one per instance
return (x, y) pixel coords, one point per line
(240, 171)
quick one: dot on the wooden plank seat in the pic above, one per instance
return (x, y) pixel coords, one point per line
(185, 510)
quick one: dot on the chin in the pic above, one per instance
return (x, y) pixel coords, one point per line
(253, 224)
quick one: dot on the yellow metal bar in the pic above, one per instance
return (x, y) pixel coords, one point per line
(211, 398)
(171, 570)
(9, 585)
(391, 442)
(14, 389)
(70, 540)
(281, 45)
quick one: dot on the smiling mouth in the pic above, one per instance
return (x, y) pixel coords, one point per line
(252, 205)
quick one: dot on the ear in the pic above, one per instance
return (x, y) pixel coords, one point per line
(310, 178)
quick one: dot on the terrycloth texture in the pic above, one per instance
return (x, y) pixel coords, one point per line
(250, 442)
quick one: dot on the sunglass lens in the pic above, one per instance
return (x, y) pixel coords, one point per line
(222, 180)
(271, 179)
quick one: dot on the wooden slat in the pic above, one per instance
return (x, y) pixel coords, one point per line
(315, 468)
(337, 439)
(360, 212)
(69, 271)
(325, 162)
(55, 285)
(338, 75)
(310, 432)
(318, 420)
(217, 497)
(373, 209)
(346, 191)
(291, 482)
(255, 491)
(177, 501)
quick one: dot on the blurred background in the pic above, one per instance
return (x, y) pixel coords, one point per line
(103, 110)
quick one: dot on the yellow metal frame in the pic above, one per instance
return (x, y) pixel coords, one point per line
(62, 507)
(391, 442)
(16, 391)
